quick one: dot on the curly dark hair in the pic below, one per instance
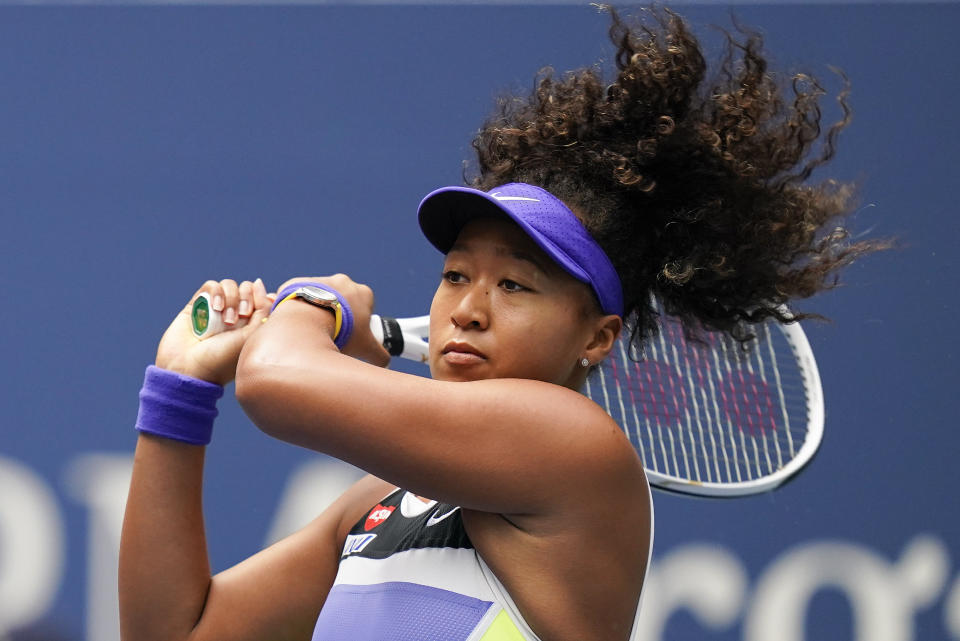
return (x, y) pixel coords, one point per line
(696, 189)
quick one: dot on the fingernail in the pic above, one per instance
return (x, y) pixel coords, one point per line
(230, 316)
(259, 283)
(218, 303)
(244, 307)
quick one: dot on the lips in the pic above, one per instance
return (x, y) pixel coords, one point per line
(460, 353)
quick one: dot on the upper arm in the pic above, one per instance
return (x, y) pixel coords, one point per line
(502, 445)
(277, 593)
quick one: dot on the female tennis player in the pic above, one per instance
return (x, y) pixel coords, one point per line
(500, 503)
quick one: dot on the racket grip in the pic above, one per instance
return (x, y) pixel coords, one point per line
(387, 331)
(204, 319)
(207, 322)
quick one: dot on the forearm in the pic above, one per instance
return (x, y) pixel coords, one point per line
(297, 338)
(166, 591)
(164, 569)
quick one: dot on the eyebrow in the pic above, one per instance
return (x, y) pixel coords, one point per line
(509, 252)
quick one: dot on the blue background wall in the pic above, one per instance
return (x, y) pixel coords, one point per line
(145, 149)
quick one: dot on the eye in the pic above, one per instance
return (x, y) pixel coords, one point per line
(453, 276)
(512, 285)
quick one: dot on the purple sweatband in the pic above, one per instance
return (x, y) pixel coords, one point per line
(346, 314)
(177, 406)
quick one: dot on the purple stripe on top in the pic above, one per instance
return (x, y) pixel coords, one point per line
(397, 611)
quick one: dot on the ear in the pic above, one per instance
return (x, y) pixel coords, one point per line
(606, 329)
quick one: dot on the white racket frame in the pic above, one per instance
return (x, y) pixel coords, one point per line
(810, 375)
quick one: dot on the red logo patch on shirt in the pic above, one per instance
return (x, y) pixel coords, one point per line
(377, 516)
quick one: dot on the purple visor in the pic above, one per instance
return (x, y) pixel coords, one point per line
(549, 222)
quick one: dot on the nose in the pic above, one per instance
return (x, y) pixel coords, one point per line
(472, 310)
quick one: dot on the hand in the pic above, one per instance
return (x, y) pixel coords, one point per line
(214, 359)
(362, 343)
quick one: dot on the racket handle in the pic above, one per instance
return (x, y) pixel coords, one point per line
(207, 322)
(387, 331)
(204, 319)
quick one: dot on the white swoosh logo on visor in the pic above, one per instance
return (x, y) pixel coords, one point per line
(533, 200)
(434, 519)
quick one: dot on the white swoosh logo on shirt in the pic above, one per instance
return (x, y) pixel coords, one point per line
(434, 519)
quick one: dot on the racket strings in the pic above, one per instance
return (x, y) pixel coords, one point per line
(708, 413)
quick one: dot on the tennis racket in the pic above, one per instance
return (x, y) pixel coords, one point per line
(712, 418)
(707, 417)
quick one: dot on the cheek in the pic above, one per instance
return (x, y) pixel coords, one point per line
(549, 348)
(440, 304)
(436, 320)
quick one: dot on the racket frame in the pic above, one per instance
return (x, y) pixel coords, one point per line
(810, 376)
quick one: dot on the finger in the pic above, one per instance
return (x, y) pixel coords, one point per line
(262, 302)
(336, 281)
(380, 357)
(211, 288)
(231, 299)
(339, 281)
(215, 290)
(260, 297)
(207, 288)
(291, 281)
(245, 305)
(365, 295)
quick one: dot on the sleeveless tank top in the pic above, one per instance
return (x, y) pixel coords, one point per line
(408, 572)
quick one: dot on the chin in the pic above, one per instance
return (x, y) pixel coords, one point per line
(458, 375)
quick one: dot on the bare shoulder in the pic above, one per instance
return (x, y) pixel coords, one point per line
(597, 522)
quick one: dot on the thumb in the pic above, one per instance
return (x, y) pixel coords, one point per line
(262, 302)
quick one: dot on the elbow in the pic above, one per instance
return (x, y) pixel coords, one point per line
(254, 382)
(248, 371)
(275, 386)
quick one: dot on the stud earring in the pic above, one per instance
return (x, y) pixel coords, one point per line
(584, 362)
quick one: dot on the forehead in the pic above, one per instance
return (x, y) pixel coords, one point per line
(505, 238)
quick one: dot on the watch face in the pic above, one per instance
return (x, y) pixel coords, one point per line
(316, 295)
